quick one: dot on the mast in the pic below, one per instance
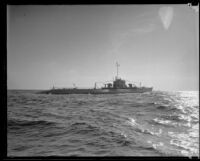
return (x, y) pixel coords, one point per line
(117, 64)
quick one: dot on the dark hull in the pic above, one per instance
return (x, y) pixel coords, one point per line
(97, 91)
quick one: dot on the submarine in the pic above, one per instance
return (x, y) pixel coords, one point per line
(117, 86)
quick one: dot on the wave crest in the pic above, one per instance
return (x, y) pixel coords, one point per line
(16, 124)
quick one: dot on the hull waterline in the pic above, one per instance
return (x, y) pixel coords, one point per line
(96, 91)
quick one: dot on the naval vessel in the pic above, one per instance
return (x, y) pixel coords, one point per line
(118, 85)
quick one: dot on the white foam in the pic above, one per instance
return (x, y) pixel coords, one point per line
(132, 122)
(164, 122)
(155, 146)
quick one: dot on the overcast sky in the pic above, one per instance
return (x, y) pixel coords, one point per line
(61, 45)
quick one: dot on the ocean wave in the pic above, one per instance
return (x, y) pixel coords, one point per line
(184, 141)
(164, 122)
(162, 149)
(142, 129)
(156, 147)
(83, 128)
(106, 139)
(176, 118)
(162, 107)
(126, 124)
(169, 108)
(187, 147)
(132, 121)
(13, 124)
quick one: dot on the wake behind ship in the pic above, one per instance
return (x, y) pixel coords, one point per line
(117, 86)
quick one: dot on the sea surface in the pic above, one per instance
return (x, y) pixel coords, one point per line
(149, 124)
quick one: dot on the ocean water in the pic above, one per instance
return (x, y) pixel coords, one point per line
(149, 124)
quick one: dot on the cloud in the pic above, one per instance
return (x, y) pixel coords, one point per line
(166, 16)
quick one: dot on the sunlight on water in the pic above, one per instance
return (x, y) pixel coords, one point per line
(132, 122)
(144, 129)
(183, 141)
(158, 145)
(188, 103)
(165, 122)
(153, 124)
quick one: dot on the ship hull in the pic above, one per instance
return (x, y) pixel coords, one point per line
(96, 91)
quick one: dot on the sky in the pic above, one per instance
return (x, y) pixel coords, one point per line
(62, 45)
